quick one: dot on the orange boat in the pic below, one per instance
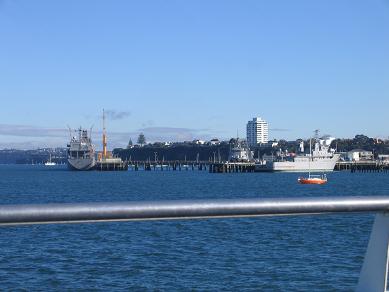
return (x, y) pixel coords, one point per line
(313, 180)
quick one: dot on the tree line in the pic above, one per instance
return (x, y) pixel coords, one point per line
(192, 152)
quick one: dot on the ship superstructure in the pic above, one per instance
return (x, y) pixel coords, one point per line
(81, 151)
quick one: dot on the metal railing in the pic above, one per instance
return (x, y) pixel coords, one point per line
(374, 271)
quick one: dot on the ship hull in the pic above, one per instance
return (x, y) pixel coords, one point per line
(81, 163)
(317, 165)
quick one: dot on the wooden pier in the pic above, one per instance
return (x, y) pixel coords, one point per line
(111, 164)
(167, 166)
(231, 167)
(362, 166)
(224, 167)
(212, 167)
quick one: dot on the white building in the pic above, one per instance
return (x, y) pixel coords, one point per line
(257, 132)
(360, 155)
(214, 142)
(198, 142)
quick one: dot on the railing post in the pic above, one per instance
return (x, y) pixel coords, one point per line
(374, 273)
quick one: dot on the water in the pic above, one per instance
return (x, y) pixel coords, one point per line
(301, 253)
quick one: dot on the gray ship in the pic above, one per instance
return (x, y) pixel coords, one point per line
(320, 159)
(240, 152)
(81, 152)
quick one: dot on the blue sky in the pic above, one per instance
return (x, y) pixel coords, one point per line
(179, 70)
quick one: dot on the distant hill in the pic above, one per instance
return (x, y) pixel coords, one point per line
(38, 156)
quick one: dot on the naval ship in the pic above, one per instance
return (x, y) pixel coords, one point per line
(239, 152)
(320, 159)
(81, 152)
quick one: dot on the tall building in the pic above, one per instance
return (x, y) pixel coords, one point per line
(257, 132)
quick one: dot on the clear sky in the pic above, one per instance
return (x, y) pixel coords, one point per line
(179, 70)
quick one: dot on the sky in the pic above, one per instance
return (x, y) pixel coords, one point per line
(184, 70)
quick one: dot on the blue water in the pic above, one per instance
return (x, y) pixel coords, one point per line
(301, 253)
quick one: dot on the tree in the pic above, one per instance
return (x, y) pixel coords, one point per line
(130, 144)
(283, 144)
(232, 141)
(141, 139)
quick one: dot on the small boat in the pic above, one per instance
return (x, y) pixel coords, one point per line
(313, 180)
(49, 162)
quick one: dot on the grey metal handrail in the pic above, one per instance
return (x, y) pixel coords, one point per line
(374, 271)
(84, 212)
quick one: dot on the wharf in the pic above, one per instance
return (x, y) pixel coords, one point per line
(231, 167)
(212, 167)
(111, 164)
(167, 165)
(362, 166)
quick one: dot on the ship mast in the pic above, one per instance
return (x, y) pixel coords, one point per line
(310, 157)
(104, 138)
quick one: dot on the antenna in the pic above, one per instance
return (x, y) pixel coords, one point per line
(70, 132)
(90, 131)
(317, 134)
(310, 155)
(103, 121)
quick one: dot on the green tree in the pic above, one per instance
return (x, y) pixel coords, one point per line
(130, 144)
(283, 144)
(141, 139)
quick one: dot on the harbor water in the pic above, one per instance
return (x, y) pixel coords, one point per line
(298, 253)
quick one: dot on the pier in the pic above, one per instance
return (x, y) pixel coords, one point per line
(111, 164)
(231, 167)
(168, 165)
(362, 166)
(212, 167)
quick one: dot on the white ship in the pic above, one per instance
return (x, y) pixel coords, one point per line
(240, 152)
(81, 152)
(320, 159)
